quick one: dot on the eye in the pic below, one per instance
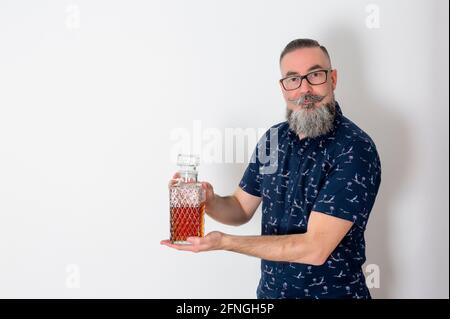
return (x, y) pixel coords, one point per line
(294, 79)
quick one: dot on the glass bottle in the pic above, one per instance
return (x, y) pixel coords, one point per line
(187, 202)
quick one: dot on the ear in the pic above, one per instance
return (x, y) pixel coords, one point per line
(334, 78)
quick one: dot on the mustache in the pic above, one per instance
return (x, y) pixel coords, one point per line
(307, 98)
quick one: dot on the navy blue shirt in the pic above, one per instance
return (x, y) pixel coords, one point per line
(337, 174)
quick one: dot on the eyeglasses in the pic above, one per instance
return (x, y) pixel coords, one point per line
(293, 82)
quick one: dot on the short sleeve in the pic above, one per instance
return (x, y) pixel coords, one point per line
(351, 184)
(251, 180)
(264, 161)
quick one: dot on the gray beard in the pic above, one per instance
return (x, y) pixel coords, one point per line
(312, 123)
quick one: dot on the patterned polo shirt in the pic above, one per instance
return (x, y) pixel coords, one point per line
(337, 174)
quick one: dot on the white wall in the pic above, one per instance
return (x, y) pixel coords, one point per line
(91, 91)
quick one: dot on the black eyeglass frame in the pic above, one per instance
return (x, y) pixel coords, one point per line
(305, 77)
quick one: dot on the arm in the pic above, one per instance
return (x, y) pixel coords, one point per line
(235, 210)
(323, 235)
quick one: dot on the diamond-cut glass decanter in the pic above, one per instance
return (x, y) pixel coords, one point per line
(187, 202)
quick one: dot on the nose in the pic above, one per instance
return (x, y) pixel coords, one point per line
(304, 88)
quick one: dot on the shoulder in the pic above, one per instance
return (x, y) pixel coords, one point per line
(350, 133)
(350, 138)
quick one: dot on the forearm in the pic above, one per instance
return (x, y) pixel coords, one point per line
(226, 210)
(297, 248)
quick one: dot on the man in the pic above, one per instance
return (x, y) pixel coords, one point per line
(317, 197)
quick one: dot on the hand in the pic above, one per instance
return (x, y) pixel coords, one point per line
(207, 187)
(212, 241)
(209, 196)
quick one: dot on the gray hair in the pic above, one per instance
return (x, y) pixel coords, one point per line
(303, 43)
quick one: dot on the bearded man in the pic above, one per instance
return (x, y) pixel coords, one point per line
(317, 175)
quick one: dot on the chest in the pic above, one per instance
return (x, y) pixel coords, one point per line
(289, 193)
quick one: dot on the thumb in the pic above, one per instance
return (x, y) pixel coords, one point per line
(209, 190)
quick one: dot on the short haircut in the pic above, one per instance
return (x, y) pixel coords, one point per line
(303, 43)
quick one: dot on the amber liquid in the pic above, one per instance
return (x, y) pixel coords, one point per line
(186, 222)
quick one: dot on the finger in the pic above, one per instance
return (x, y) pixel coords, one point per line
(167, 243)
(176, 175)
(174, 179)
(194, 240)
(185, 247)
(199, 244)
(209, 191)
(207, 185)
(188, 248)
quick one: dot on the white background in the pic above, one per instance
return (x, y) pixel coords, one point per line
(90, 92)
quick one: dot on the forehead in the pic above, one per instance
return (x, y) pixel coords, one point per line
(301, 60)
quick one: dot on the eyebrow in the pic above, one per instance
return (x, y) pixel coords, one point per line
(314, 67)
